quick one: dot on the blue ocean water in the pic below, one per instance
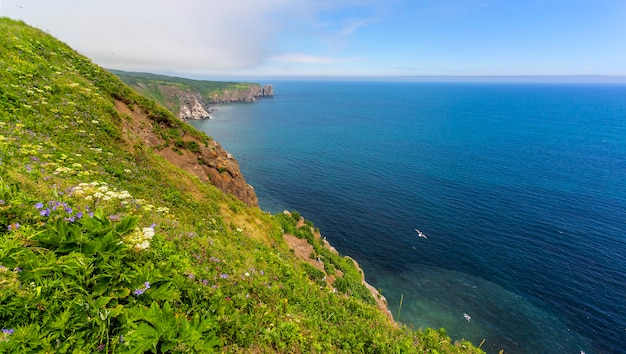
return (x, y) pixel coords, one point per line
(520, 188)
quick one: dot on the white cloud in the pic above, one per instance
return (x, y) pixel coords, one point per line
(189, 35)
(302, 58)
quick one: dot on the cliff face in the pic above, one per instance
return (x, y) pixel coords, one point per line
(193, 106)
(206, 159)
(249, 94)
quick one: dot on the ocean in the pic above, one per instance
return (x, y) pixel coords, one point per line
(520, 189)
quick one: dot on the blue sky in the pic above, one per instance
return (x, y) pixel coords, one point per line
(325, 38)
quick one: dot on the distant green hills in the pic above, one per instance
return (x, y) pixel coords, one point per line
(117, 235)
(191, 99)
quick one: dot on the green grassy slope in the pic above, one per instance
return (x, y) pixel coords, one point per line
(163, 88)
(106, 246)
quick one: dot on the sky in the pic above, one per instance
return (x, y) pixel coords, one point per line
(339, 38)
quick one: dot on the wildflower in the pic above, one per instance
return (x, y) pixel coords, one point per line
(68, 210)
(121, 339)
(205, 282)
(141, 290)
(39, 205)
(191, 276)
(8, 331)
(114, 217)
(246, 274)
(13, 226)
(224, 276)
(101, 346)
(262, 272)
(2, 201)
(79, 215)
(45, 212)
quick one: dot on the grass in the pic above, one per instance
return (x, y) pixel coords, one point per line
(107, 247)
(166, 89)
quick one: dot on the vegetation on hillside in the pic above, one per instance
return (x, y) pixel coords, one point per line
(162, 88)
(107, 247)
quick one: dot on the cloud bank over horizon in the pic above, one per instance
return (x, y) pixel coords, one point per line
(328, 38)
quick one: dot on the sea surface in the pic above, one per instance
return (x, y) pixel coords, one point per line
(519, 188)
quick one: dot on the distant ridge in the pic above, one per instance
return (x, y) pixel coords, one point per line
(192, 99)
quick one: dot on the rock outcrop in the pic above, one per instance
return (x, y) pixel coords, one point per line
(207, 160)
(193, 106)
(223, 172)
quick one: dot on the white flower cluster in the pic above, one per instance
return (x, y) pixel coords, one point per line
(140, 239)
(100, 191)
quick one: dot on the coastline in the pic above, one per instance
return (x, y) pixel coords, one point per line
(303, 249)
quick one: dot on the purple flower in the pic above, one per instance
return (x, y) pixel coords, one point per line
(2, 201)
(68, 210)
(141, 290)
(45, 212)
(191, 276)
(79, 215)
(205, 282)
(101, 346)
(8, 331)
(262, 272)
(39, 205)
(13, 226)
(224, 276)
(114, 217)
(70, 219)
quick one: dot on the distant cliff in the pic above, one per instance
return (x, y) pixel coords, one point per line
(192, 99)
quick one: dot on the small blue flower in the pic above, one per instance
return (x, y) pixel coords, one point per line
(68, 210)
(45, 212)
(224, 276)
(39, 205)
(79, 215)
(141, 290)
(8, 331)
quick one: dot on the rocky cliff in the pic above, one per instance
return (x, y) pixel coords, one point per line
(192, 99)
(205, 159)
(192, 105)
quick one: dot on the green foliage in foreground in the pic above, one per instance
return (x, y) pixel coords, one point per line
(105, 246)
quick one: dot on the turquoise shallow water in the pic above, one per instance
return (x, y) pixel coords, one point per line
(520, 189)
